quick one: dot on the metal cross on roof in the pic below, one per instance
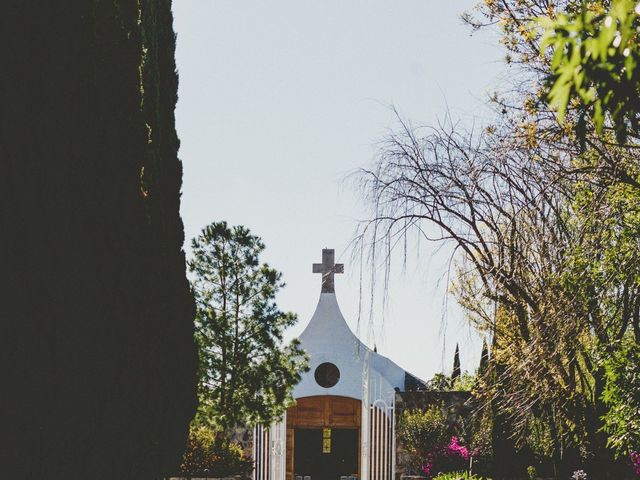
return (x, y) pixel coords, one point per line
(328, 268)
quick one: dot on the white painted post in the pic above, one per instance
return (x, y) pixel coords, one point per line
(393, 438)
(261, 460)
(365, 413)
(257, 464)
(278, 432)
(265, 453)
(385, 440)
(271, 451)
(255, 450)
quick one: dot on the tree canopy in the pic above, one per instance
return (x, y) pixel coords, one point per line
(542, 214)
(246, 372)
(593, 70)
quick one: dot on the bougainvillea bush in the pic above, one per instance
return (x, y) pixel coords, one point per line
(446, 458)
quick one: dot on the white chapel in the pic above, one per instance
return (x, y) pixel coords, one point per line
(342, 426)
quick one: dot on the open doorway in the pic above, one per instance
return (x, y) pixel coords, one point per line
(326, 453)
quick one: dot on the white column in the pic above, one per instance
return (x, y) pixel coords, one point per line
(278, 434)
(365, 412)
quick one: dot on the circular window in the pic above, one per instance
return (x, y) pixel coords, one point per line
(327, 375)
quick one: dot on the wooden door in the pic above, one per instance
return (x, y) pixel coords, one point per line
(319, 412)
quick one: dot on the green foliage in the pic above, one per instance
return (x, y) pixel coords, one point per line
(622, 397)
(606, 266)
(532, 472)
(246, 374)
(481, 430)
(444, 383)
(539, 438)
(440, 383)
(458, 476)
(545, 221)
(209, 455)
(464, 383)
(421, 432)
(594, 63)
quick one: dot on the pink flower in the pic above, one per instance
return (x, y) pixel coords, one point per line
(634, 458)
(455, 449)
(428, 464)
(426, 468)
(445, 456)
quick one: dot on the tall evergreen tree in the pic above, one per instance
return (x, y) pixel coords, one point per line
(99, 361)
(484, 358)
(456, 365)
(247, 374)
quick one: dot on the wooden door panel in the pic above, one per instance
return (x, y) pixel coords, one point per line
(290, 446)
(309, 412)
(344, 412)
(324, 411)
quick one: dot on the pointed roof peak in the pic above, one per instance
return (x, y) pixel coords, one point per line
(327, 321)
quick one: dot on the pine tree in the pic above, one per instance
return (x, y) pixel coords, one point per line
(484, 359)
(456, 365)
(247, 374)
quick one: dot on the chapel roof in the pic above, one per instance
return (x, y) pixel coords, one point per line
(328, 338)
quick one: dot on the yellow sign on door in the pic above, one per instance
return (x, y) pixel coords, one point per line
(326, 440)
(326, 445)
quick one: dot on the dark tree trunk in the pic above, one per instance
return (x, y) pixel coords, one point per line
(602, 462)
(506, 461)
(96, 316)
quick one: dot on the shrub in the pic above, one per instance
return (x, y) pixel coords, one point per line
(532, 472)
(457, 476)
(446, 458)
(210, 455)
(422, 433)
(622, 396)
(479, 439)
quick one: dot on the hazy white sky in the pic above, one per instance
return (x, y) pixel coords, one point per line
(279, 101)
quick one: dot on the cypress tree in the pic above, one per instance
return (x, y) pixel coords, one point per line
(96, 334)
(456, 366)
(484, 358)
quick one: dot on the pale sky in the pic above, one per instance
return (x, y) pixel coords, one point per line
(279, 101)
